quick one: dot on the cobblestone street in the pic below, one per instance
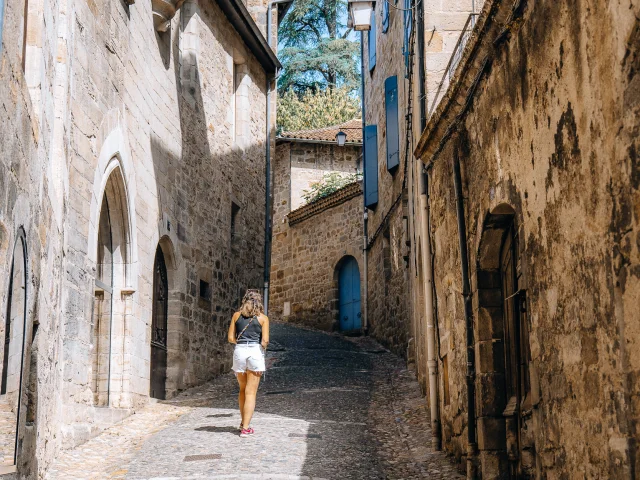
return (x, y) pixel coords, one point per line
(330, 407)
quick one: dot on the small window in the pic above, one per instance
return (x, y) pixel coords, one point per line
(408, 25)
(392, 124)
(385, 16)
(372, 41)
(235, 209)
(371, 166)
(205, 291)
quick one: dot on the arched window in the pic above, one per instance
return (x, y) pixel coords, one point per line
(112, 279)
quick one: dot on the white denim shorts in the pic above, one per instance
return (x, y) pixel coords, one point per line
(248, 357)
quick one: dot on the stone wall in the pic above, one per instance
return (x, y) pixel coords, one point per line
(548, 147)
(389, 315)
(306, 255)
(106, 107)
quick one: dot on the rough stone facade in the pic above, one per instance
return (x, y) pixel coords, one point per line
(310, 242)
(544, 111)
(119, 142)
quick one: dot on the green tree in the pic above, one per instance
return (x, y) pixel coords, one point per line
(315, 49)
(316, 109)
(331, 182)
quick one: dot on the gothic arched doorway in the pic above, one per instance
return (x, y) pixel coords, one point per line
(505, 399)
(349, 294)
(159, 327)
(13, 354)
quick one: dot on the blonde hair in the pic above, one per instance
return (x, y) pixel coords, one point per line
(251, 304)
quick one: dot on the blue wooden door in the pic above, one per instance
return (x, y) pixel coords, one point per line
(349, 294)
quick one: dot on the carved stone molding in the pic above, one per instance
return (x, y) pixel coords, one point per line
(163, 12)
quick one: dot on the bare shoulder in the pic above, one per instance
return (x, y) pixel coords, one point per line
(263, 319)
(235, 317)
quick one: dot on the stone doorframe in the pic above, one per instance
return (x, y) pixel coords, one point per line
(115, 169)
(491, 398)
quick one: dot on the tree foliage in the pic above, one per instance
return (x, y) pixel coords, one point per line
(331, 182)
(315, 49)
(316, 109)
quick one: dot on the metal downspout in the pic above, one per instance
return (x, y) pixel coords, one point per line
(365, 322)
(468, 313)
(428, 307)
(427, 264)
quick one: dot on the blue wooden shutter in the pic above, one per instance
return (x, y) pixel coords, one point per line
(385, 16)
(372, 41)
(370, 166)
(391, 109)
(408, 22)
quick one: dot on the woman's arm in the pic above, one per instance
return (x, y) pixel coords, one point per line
(265, 331)
(231, 335)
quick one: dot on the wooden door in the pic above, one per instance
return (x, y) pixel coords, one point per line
(159, 328)
(349, 294)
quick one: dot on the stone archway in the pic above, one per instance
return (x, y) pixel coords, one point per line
(13, 347)
(502, 338)
(112, 300)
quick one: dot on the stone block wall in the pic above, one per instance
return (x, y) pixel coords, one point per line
(548, 144)
(306, 255)
(105, 106)
(389, 309)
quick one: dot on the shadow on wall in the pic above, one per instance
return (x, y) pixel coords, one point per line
(211, 209)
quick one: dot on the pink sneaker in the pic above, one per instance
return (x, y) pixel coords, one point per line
(246, 432)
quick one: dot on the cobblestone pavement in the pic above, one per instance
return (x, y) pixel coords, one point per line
(329, 408)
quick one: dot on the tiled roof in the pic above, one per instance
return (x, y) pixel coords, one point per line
(336, 198)
(353, 129)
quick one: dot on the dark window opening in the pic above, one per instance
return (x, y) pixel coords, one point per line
(445, 380)
(205, 290)
(235, 209)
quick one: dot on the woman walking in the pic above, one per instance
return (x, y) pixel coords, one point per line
(249, 330)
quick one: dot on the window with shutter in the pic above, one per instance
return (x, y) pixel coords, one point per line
(370, 166)
(372, 41)
(385, 16)
(391, 110)
(408, 23)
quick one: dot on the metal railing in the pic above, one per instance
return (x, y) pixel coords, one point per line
(456, 56)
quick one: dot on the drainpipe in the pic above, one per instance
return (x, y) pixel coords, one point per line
(428, 306)
(421, 68)
(468, 313)
(267, 200)
(365, 322)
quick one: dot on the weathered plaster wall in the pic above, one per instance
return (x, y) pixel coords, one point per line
(305, 255)
(552, 132)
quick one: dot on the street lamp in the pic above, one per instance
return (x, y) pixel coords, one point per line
(341, 137)
(360, 14)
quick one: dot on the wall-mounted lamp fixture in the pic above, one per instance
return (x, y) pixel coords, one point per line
(341, 138)
(360, 14)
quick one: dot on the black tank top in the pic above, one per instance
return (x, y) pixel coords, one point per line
(253, 333)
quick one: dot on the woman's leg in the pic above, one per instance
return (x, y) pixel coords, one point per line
(250, 392)
(242, 381)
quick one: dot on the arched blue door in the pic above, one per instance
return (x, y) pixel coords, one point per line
(349, 294)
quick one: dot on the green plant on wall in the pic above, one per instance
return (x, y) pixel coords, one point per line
(331, 182)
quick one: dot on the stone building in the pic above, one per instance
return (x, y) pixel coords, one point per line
(317, 264)
(133, 156)
(524, 119)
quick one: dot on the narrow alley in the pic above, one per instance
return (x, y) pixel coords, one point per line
(331, 407)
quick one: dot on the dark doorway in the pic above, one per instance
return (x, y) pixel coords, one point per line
(159, 327)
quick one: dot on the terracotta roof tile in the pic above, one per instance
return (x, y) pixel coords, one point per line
(353, 129)
(336, 198)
